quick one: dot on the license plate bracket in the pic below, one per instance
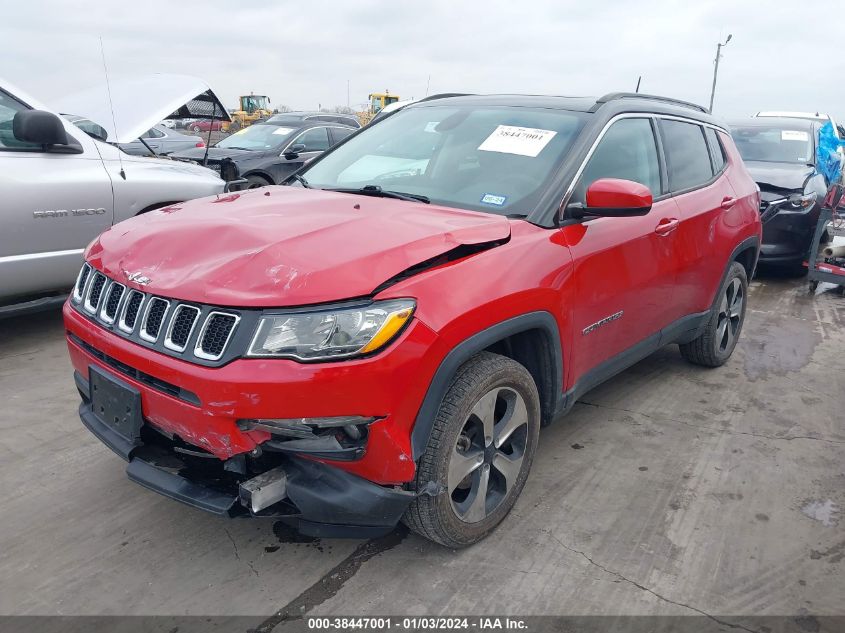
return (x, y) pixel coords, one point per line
(115, 403)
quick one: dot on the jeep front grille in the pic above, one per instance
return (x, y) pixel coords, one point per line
(196, 333)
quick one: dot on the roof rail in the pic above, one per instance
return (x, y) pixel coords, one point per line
(445, 95)
(613, 96)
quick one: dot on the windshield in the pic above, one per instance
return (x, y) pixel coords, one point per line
(258, 137)
(494, 159)
(774, 144)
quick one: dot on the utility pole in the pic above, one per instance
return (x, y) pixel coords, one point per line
(716, 70)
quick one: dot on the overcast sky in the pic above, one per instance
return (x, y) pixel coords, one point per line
(303, 53)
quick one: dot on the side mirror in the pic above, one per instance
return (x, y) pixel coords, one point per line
(294, 150)
(39, 127)
(614, 198)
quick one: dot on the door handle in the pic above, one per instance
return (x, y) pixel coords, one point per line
(666, 226)
(728, 202)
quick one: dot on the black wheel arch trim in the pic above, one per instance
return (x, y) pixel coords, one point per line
(260, 173)
(748, 243)
(465, 350)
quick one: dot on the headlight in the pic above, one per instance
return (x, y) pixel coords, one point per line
(327, 334)
(798, 201)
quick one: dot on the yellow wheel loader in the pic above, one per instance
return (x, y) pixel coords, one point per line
(251, 108)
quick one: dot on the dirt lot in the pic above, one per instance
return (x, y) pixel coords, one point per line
(671, 490)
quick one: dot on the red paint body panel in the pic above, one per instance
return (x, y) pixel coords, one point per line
(284, 246)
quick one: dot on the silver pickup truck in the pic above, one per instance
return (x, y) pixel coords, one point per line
(61, 187)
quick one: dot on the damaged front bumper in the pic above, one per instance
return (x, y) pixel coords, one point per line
(317, 499)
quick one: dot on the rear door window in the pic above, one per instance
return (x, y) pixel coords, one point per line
(340, 133)
(687, 156)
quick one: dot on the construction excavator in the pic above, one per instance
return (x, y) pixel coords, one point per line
(251, 108)
(377, 101)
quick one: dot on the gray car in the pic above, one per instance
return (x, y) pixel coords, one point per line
(162, 141)
(62, 186)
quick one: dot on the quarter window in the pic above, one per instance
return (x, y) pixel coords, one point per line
(9, 107)
(687, 157)
(716, 150)
(339, 133)
(627, 151)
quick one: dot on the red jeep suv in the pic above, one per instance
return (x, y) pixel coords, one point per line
(382, 338)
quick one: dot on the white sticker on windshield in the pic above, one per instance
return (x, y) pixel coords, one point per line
(431, 126)
(794, 135)
(524, 141)
(283, 130)
(492, 198)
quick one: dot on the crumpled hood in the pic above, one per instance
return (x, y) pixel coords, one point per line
(780, 175)
(284, 246)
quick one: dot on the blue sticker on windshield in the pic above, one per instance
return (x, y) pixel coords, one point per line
(489, 198)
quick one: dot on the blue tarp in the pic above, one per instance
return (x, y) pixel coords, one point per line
(828, 160)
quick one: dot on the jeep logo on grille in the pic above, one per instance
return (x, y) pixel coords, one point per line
(138, 278)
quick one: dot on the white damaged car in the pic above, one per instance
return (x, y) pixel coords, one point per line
(62, 185)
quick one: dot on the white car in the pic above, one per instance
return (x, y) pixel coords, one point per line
(62, 186)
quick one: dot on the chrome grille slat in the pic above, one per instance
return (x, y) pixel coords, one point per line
(154, 317)
(215, 335)
(94, 292)
(113, 295)
(81, 280)
(181, 327)
(130, 311)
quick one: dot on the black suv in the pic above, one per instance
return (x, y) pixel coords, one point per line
(780, 154)
(268, 152)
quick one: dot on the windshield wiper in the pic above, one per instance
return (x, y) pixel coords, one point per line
(301, 180)
(377, 192)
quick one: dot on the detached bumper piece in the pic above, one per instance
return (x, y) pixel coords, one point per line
(317, 499)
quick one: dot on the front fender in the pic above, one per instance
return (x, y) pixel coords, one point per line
(464, 351)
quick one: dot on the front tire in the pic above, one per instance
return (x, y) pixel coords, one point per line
(479, 454)
(254, 182)
(716, 343)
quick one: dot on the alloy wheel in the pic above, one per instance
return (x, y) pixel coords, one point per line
(488, 454)
(730, 315)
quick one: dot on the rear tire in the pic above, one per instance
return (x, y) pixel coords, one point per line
(716, 343)
(479, 454)
(197, 129)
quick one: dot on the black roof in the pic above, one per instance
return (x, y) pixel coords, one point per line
(615, 102)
